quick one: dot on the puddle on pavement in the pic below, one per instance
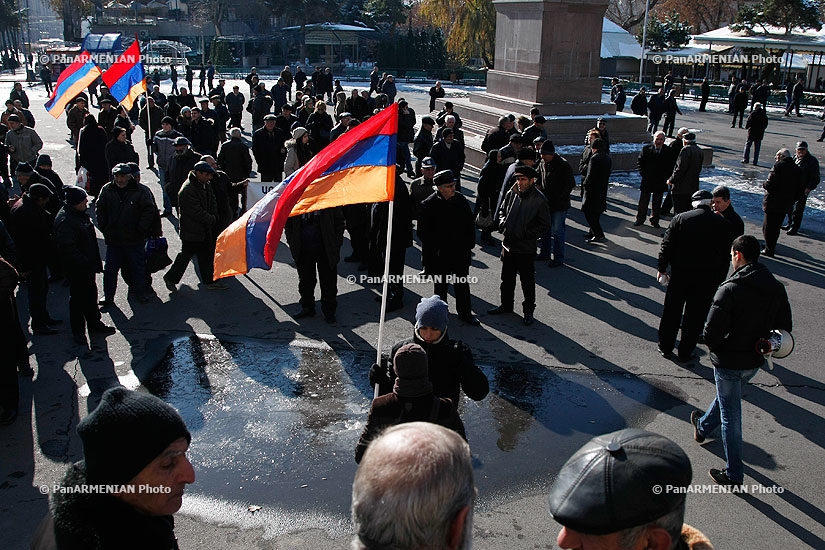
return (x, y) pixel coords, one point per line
(276, 425)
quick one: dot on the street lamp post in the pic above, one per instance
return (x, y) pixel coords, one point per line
(644, 42)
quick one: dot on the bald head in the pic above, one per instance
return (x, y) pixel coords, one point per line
(414, 489)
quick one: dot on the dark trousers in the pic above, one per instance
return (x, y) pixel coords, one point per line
(38, 288)
(593, 217)
(757, 145)
(462, 290)
(694, 298)
(131, 262)
(740, 113)
(644, 199)
(204, 251)
(771, 225)
(796, 212)
(523, 265)
(312, 258)
(667, 204)
(15, 353)
(670, 122)
(83, 309)
(702, 104)
(269, 175)
(681, 203)
(357, 217)
(235, 120)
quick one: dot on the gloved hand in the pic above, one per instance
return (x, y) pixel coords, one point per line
(376, 374)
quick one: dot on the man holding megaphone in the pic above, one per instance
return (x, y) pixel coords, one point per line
(747, 307)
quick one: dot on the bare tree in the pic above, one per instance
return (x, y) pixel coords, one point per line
(628, 13)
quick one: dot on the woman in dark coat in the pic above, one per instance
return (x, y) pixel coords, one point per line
(489, 186)
(90, 143)
(119, 149)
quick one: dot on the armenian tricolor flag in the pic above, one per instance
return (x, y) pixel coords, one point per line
(126, 78)
(358, 167)
(72, 80)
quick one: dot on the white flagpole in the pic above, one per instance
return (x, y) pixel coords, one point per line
(385, 288)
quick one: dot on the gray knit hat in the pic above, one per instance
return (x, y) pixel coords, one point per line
(431, 312)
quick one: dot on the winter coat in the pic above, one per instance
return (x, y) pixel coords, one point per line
(91, 142)
(556, 181)
(221, 188)
(423, 144)
(451, 369)
(178, 172)
(126, 217)
(76, 243)
(31, 228)
(331, 221)
(449, 158)
(117, 152)
(523, 218)
(235, 102)
(595, 183)
(496, 138)
(319, 125)
(746, 307)
(75, 119)
(269, 151)
(406, 126)
(150, 121)
(639, 105)
(490, 180)
(99, 521)
(655, 168)
(203, 137)
(164, 146)
(756, 124)
(782, 186)
(106, 119)
(656, 106)
(447, 232)
(696, 245)
(740, 100)
(26, 143)
(685, 177)
(393, 409)
(198, 211)
(420, 189)
(810, 171)
(297, 154)
(235, 159)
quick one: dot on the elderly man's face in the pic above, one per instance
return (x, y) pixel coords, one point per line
(203, 177)
(449, 122)
(447, 190)
(170, 473)
(270, 124)
(121, 180)
(428, 171)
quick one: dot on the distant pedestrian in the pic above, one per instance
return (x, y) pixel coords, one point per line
(705, 91)
(781, 189)
(810, 179)
(655, 166)
(594, 185)
(436, 92)
(756, 125)
(685, 178)
(740, 103)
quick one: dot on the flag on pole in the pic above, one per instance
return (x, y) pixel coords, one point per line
(358, 167)
(126, 78)
(72, 80)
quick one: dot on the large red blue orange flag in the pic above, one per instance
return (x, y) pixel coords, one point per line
(126, 77)
(358, 167)
(72, 80)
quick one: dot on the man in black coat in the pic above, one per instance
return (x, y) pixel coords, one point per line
(406, 135)
(30, 226)
(76, 242)
(696, 247)
(202, 133)
(447, 231)
(523, 217)
(234, 104)
(705, 91)
(639, 103)
(422, 187)
(556, 181)
(684, 181)
(656, 108)
(423, 143)
(499, 136)
(235, 159)
(448, 154)
(756, 125)
(781, 188)
(721, 204)
(269, 150)
(180, 165)
(746, 307)
(315, 241)
(594, 185)
(810, 179)
(655, 165)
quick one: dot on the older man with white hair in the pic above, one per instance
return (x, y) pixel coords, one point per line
(432, 508)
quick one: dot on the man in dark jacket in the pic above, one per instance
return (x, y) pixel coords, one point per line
(198, 219)
(235, 159)
(406, 135)
(447, 231)
(721, 204)
(705, 92)
(451, 365)
(745, 309)
(423, 143)
(523, 217)
(30, 225)
(234, 104)
(202, 133)
(594, 185)
(448, 154)
(411, 400)
(107, 115)
(259, 107)
(781, 188)
(180, 165)
(684, 181)
(76, 243)
(695, 247)
(639, 103)
(756, 125)
(127, 215)
(269, 150)
(422, 187)
(498, 137)
(315, 241)
(149, 119)
(656, 108)
(810, 179)
(556, 181)
(132, 440)
(655, 165)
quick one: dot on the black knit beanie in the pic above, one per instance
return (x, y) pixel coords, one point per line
(126, 432)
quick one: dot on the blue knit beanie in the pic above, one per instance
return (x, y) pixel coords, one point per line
(431, 312)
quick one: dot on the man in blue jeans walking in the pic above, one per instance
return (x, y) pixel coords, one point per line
(745, 309)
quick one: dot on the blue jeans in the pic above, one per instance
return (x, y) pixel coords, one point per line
(131, 262)
(726, 411)
(556, 235)
(757, 145)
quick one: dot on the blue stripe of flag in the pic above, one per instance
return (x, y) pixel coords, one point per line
(123, 86)
(64, 86)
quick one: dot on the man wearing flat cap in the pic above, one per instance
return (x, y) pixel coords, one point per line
(133, 441)
(448, 154)
(180, 164)
(625, 490)
(696, 247)
(22, 143)
(523, 217)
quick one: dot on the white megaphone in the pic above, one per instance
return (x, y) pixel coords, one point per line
(779, 344)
